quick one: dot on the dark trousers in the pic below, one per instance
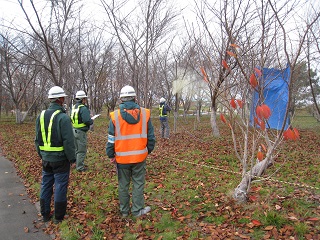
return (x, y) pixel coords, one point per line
(54, 174)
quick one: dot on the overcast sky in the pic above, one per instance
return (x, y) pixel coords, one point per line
(11, 11)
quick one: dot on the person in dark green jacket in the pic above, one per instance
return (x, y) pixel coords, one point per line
(54, 143)
(81, 121)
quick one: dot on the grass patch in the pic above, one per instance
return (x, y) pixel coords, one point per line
(301, 229)
(273, 218)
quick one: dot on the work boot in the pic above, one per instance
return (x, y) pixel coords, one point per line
(59, 211)
(46, 218)
(56, 221)
(143, 211)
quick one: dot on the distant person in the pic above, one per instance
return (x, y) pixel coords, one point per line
(164, 108)
(130, 140)
(81, 121)
(55, 145)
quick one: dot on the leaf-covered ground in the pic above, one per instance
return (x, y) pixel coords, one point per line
(190, 179)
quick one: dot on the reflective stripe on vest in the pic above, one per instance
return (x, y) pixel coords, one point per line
(47, 139)
(130, 155)
(75, 117)
(161, 111)
(132, 136)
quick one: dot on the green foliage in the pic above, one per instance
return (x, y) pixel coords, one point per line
(257, 234)
(304, 120)
(69, 232)
(166, 224)
(244, 220)
(215, 219)
(301, 229)
(274, 219)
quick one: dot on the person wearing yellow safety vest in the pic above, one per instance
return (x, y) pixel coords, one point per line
(81, 121)
(54, 143)
(163, 116)
(130, 139)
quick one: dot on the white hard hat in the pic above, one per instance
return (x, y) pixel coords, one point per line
(162, 100)
(127, 91)
(56, 92)
(81, 94)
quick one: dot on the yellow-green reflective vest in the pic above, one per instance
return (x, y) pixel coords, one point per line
(75, 116)
(161, 111)
(47, 138)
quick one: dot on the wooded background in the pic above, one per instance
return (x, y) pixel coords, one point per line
(158, 47)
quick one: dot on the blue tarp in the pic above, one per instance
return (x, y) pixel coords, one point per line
(276, 95)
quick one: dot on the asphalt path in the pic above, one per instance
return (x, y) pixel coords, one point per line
(19, 217)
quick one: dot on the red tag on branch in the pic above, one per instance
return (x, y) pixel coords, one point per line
(234, 45)
(240, 103)
(223, 119)
(231, 54)
(205, 77)
(225, 64)
(258, 72)
(262, 125)
(263, 111)
(290, 134)
(253, 80)
(260, 156)
(233, 103)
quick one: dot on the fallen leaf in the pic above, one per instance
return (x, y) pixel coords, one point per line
(268, 228)
(26, 230)
(252, 198)
(293, 218)
(255, 189)
(277, 207)
(256, 222)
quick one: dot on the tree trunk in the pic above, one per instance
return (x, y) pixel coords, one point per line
(240, 192)
(213, 121)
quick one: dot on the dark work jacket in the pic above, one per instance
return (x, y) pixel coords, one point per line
(84, 116)
(164, 114)
(62, 135)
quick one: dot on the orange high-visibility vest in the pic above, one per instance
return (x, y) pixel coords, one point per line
(131, 139)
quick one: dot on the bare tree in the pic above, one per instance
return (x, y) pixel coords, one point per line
(55, 35)
(257, 147)
(19, 74)
(312, 56)
(213, 46)
(140, 32)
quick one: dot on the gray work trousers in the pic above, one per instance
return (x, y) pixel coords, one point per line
(80, 142)
(136, 173)
(165, 128)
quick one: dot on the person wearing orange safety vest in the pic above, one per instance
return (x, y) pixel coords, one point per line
(130, 139)
(54, 143)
